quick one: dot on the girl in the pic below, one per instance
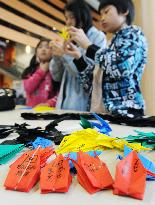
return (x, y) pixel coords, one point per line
(72, 96)
(38, 83)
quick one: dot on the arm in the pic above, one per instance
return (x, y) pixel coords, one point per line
(56, 68)
(69, 65)
(85, 72)
(97, 38)
(32, 82)
(93, 36)
(61, 61)
(59, 64)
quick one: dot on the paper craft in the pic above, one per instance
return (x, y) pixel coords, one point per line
(85, 123)
(89, 139)
(55, 177)
(102, 126)
(130, 177)
(84, 140)
(45, 153)
(92, 173)
(148, 134)
(73, 155)
(7, 152)
(42, 142)
(147, 139)
(146, 162)
(40, 108)
(64, 34)
(24, 172)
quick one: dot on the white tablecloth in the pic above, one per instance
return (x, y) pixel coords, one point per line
(76, 195)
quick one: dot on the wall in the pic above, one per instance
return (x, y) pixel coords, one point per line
(23, 58)
(145, 16)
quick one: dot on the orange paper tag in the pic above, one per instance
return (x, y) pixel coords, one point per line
(130, 177)
(45, 154)
(24, 173)
(56, 177)
(92, 173)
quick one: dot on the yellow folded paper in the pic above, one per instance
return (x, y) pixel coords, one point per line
(64, 34)
(41, 108)
(90, 139)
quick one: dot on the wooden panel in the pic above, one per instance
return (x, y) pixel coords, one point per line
(61, 5)
(17, 36)
(25, 24)
(58, 3)
(48, 9)
(32, 13)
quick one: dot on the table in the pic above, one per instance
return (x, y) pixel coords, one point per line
(76, 195)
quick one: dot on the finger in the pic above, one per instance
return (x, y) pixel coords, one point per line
(69, 52)
(72, 28)
(66, 43)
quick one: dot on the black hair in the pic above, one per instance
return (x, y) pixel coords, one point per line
(33, 63)
(81, 12)
(122, 6)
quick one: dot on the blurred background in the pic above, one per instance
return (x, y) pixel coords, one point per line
(24, 22)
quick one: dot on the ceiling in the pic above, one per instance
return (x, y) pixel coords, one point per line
(26, 21)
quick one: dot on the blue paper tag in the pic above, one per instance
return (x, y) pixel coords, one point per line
(102, 126)
(40, 141)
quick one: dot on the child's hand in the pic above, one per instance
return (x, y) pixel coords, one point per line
(72, 50)
(79, 37)
(57, 48)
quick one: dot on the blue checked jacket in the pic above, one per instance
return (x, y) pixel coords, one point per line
(123, 64)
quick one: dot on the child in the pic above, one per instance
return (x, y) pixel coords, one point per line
(72, 96)
(38, 83)
(122, 62)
